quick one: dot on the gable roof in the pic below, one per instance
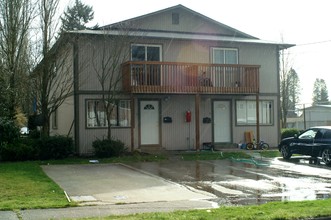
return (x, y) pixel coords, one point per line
(198, 30)
(180, 7)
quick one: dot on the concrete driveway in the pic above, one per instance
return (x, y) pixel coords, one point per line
(207, 183)
(119, 183)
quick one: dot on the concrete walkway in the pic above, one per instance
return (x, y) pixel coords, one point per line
(104, 210)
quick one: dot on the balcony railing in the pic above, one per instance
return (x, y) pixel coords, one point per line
(172, 77)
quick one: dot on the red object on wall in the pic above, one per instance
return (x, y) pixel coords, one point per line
(188, 116)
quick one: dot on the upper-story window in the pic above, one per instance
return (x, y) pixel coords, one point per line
(141, 52)
(225, 55)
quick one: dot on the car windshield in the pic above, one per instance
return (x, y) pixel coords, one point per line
(309, 134)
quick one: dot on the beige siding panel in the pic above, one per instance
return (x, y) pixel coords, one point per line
(89, 135)
(188, 22)
(63, 86)
(187, 51)
(178, 135)
(65, 119)
(206, 111)
(266, 56)
(93, 52)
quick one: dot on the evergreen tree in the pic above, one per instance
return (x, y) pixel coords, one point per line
(320, 92)
(76, 17)
(293, 92)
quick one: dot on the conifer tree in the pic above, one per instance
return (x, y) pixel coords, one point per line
(77, 16)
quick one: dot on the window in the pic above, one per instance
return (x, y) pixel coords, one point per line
(97, 117)
(140, 52)
(225, 56)
(145, 73)
(54, 119)
(310, 134)
(246, 112)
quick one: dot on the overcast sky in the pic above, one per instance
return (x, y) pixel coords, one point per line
(305, 23)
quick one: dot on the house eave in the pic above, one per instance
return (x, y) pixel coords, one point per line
(185, 36)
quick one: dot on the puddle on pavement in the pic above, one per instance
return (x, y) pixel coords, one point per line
(240, 183)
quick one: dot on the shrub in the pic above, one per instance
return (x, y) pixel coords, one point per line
(34, 134)
(18, 151)
(9, 132)
(54, 147)
(108, 148)
(289, 132)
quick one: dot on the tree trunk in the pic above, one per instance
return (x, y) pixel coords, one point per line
(108, 129)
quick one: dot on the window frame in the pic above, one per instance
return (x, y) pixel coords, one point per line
(224, 49)
(118, 114)
(55, 120)
(146, 47)
(266, 116)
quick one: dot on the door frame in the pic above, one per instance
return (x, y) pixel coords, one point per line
(231, 120)
(139, 122)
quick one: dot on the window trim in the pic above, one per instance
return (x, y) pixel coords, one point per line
(118, 125)
(271, 113)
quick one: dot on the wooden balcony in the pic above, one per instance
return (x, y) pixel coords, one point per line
(172, 77)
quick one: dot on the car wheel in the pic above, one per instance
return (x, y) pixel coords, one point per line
(326, 156)
(285, 151)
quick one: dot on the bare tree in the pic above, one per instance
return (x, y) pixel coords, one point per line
(289, 87)
(51, 77)
(107, 64)
(15, 22)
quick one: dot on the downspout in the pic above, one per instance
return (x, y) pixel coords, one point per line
(76, 96)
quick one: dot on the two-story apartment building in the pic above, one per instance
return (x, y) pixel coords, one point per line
(186, 80)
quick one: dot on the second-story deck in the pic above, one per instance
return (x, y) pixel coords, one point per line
(173, 77)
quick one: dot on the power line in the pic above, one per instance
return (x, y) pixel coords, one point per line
(312, 43)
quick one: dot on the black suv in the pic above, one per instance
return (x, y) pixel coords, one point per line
(315, 142)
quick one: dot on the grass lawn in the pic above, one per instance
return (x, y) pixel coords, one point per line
(24, 185)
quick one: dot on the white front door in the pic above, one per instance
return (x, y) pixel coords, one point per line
(222, 121)
(149, 123)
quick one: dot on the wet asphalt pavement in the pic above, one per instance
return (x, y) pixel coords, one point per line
(249, 181)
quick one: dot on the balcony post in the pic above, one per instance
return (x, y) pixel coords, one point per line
(197, 122)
